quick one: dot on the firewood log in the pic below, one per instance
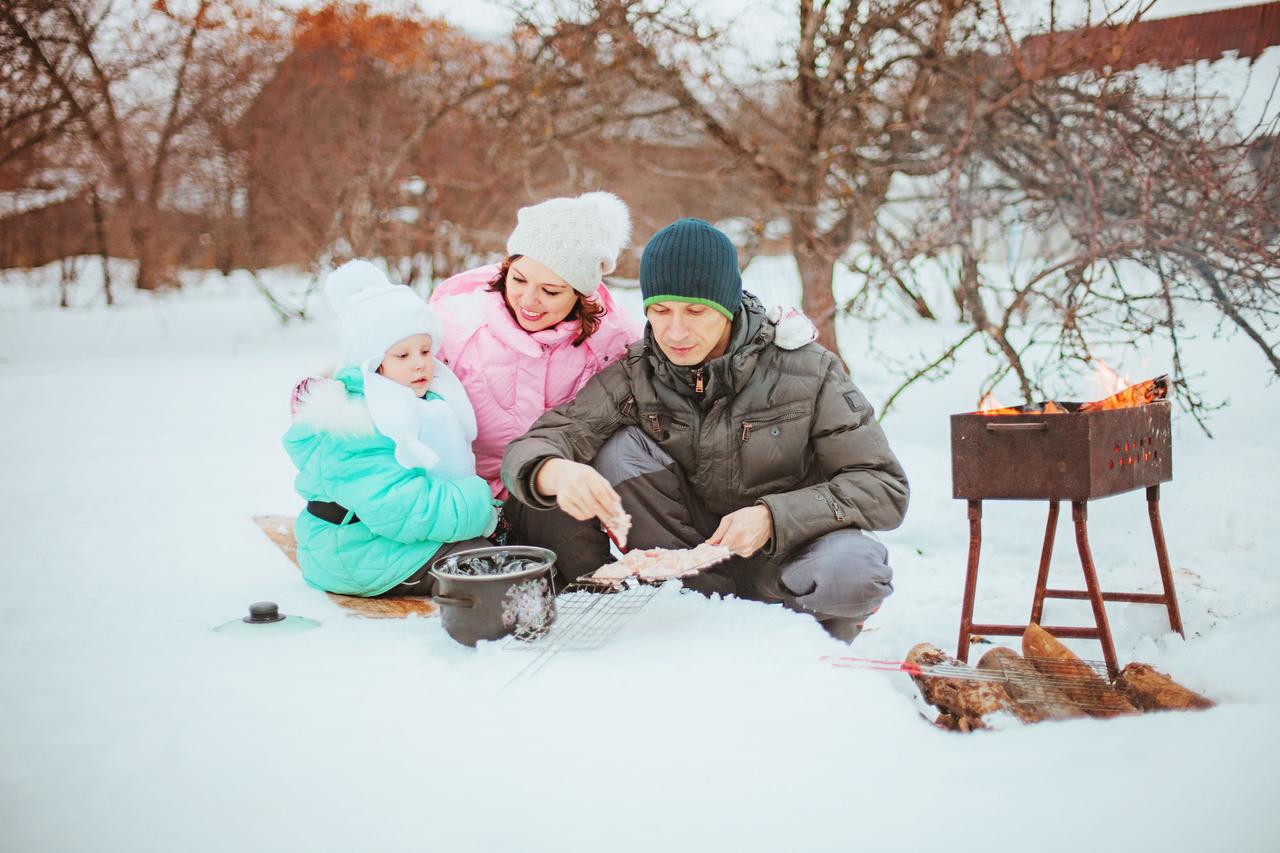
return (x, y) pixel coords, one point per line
(1028, 687)
(969, 702)
(1072, 675)
(947, 722)
(1152, 690)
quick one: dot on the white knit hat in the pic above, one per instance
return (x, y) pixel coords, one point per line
(374, 314)
(576, 238)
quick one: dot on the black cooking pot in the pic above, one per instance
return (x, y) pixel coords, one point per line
(490, 593)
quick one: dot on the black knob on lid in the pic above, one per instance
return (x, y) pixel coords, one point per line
(261, 612)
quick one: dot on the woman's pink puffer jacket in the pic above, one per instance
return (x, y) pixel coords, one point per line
(513, 376)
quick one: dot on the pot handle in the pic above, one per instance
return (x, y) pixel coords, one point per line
(453, 602)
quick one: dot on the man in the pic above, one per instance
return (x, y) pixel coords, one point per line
(719, 426)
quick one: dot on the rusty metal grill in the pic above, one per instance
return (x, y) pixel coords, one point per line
(1076, 456)
(1071, 455)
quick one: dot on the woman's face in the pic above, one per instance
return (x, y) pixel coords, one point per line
(538, 297)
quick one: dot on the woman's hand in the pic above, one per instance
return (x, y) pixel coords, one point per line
(745, 531)
(578, 489)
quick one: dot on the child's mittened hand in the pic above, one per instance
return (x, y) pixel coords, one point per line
(493, 523)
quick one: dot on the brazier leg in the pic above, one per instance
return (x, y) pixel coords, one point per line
(1162, 556)
(1079, 515)
(1046, 552)
(971, 579)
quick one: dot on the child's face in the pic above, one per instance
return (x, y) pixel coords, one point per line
(409, 363)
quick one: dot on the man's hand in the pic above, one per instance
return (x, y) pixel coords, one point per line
(745, 531)
(578, 489)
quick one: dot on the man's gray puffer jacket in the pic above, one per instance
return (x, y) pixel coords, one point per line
(786, 428)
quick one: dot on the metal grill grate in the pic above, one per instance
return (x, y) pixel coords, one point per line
(586, 618)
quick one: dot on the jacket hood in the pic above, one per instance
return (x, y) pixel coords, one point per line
(751, 332)
(472, 305)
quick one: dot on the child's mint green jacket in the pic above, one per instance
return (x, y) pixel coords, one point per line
(405, 513)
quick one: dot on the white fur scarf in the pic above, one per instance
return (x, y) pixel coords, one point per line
(432, 434)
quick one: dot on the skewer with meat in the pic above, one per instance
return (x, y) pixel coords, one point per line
(618, 527)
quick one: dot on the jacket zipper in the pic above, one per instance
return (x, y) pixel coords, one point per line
(748, 426)
(835, 507)
(623, 412)
(697, 380)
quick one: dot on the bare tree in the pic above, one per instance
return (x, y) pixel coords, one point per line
(412, 141)
(822, 133)
(355, 146)
(1141, 197)
(32, 111)
(896, 132)
(133, 85)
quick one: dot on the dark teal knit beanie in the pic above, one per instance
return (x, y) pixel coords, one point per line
(691, 261)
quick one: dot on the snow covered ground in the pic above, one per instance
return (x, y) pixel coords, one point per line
(137, 442)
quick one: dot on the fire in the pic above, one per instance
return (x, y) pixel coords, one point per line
(989, 405)
(1147, 391)
(1109, 380)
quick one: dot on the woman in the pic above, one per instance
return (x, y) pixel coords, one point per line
(526, 335)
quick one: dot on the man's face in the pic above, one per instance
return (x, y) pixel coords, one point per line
(689, 333)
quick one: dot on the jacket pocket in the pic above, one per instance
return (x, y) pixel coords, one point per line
(659, 425)
(773, 447)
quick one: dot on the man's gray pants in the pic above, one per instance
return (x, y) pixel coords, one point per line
(840, 577)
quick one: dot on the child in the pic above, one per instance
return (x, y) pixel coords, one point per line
(383, 449)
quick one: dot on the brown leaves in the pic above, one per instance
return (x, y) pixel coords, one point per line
(357, 35)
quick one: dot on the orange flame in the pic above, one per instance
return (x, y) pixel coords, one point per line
(989, 405)
(1147, 391)
(1109, 380)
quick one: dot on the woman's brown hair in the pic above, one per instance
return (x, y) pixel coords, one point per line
(586, 310)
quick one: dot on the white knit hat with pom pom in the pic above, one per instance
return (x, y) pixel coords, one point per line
(576, 238)
(374, 314)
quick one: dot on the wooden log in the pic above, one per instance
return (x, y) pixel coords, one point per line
(949, 723)
(1072, 675)
(1152, 690)
(1038, 696)
(279, 529)
(970, 703)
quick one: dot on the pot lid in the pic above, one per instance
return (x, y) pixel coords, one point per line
(265, 617)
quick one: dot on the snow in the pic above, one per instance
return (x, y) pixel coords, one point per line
(17, 202)
(138, 441)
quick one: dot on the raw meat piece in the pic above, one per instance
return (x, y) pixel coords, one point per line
(663, 563)
(620, 526)
(613, 572)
